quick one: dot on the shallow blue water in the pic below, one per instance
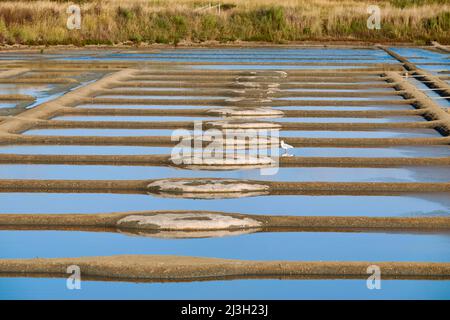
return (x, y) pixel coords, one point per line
(437, 98)
(271, 67)
(101, 132)
(71, 172)
(396, 151)
(4, 105)
(137, 106)
(38, 91)
(294, 133)
(152, 88)
(300, 246)
(326, 98)
(421, 57)
(390, 90)
(363, 134)
(285, 119)
(20, 288)
(248, 55)
(425, 204)
(134, 118)
(161, 97)
(346, 108)
(349, 120)
(388, 152)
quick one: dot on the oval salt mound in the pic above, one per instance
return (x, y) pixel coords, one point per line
(188, 221)
(233, 112)
(256, 85)
(235, 139)
(207, 188)
(222, 162)
(224, 124)
(184, 234)
(248, 100)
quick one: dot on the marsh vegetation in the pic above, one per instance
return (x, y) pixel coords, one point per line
(181, 21)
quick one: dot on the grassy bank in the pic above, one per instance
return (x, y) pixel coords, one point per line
(180, 21)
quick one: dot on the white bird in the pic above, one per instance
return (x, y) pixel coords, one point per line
(406, 75)
(285, 147)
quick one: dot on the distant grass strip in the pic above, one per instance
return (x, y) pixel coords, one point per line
(183, 22)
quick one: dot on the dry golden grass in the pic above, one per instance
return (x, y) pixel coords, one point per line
(172, 21)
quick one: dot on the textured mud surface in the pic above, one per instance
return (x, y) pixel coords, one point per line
(174, 267)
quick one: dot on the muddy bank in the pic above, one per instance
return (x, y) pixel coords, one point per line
(194, 221)
(247, 103)
(229, 164)
(48, 109)
(18, 139)
(235, 124)
(177, 267)
(211, 188)
(434, 111)
(238, 112)
(440, 46)
(432, 81)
